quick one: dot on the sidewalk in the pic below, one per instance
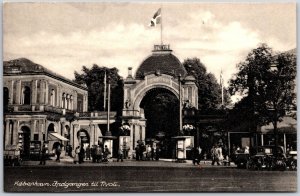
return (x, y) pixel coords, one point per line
(68, 161)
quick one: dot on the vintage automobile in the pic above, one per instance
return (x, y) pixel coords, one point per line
(264, 158)
(291, 160)
(241, 159)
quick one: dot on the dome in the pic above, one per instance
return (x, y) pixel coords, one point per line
(161, 61)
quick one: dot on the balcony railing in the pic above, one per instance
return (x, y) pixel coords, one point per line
(48, 108)
(96, 114)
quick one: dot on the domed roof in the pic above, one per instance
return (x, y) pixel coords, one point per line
(161, 61)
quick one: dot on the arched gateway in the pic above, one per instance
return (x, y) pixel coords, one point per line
(160, 75)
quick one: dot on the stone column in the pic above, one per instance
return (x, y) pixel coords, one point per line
(34, 91)
(131, 141)
(143, 132)
(18, 101)
(42, 91)
(11, 92)
(58, 96)
(75, 139)
(47, 91)
(75, 101)
(7, 131)
(71, 135)
(15, 132)
(92, 134)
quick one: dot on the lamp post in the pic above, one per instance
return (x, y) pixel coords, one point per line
(180, 105)
(108, 133)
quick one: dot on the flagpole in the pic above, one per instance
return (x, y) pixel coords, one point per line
(222, 88)
(104, 103)
(161, 25)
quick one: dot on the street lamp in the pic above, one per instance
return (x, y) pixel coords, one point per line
(180, 105)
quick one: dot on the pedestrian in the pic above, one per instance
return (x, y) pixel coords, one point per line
(70, 151)
(148, 152)
(215, 155)
(43, 155)
(88, 153)
(153, 152)
(106, 154)
(195, 154)
(120, 154)
(157, 153)
(137, 153)
(98, 154)
(58, 152)
(141, 151)
(81, 155)
(76, 156)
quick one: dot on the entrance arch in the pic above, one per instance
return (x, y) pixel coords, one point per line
(160, 73)
(161, 108)
(83, 137)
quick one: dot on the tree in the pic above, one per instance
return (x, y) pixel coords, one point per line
(94, 80)
(209, 91)
(267, 82)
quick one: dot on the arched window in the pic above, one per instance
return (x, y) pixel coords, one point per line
(5, 98)
(26, 96)
(52, 97)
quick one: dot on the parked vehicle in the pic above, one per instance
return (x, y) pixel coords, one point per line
(241, 159)
(264, 158)
(12, 156)
(291, 161)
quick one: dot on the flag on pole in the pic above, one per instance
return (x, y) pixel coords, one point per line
(156, 19)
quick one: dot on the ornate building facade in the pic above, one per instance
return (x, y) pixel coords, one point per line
(161, 72)
(40, 105)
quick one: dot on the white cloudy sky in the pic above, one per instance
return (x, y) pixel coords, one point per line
(65, 36)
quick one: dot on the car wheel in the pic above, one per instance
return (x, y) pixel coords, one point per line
(293, 166)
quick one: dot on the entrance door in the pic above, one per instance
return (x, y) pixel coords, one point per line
(25, 151)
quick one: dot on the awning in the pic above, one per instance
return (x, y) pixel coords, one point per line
(56, 136)
(287, 125)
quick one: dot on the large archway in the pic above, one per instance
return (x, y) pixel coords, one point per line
(151, 98)
(161, 108)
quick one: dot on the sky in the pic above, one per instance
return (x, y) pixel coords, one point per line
(65, 36)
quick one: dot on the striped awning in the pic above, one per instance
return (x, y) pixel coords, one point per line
(56, 136)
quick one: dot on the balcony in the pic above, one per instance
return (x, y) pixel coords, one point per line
(96, 114)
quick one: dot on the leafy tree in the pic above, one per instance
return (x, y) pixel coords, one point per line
(209, 91)
(94, 80)
(267, 82)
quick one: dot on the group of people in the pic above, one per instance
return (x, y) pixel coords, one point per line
(100, 154)
(147, 152)
(218, 154)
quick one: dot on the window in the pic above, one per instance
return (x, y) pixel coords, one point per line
(52, 97)
(26, 96)
(36, 137)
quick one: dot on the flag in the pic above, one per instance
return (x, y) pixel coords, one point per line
(156, 19)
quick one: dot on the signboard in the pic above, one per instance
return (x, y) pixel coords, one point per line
(180, 144)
